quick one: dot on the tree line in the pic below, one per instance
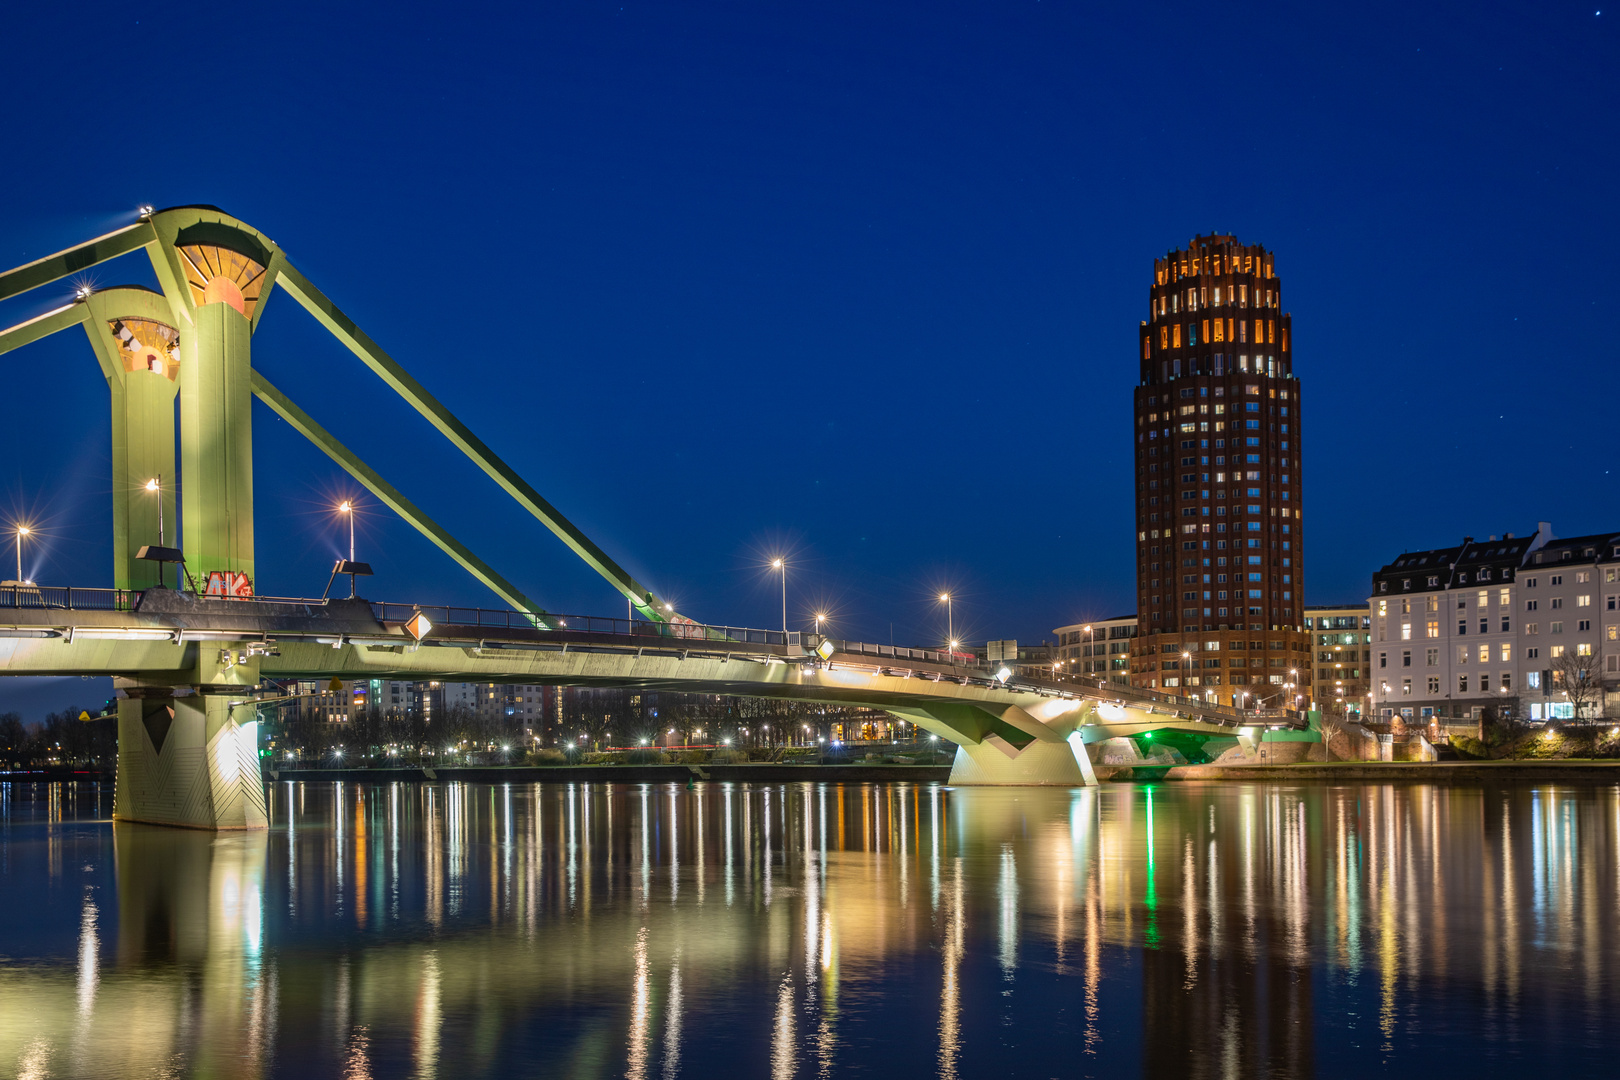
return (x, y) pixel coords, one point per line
(62, 739)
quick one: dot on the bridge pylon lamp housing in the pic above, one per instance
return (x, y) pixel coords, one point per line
(160, 554)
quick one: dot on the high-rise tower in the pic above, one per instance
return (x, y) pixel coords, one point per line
(1219, 538)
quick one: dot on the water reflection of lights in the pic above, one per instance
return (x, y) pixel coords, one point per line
(529, 900)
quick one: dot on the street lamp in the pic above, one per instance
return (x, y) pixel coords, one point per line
(780, 564)
(346, 507)
(22, 531)
(348, 566)
(950, 622)
(1186, 666)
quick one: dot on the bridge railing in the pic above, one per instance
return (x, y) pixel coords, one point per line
(593, 625)
(975, 669)
(67, 598)
(901, 652)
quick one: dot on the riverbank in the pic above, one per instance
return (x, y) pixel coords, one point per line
(1417, 772)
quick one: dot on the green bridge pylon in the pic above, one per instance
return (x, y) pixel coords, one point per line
(183, 755)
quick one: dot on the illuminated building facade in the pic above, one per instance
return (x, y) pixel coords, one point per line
(1501, 625)
(1219, 513)
(1100, 649)
(1341, 656)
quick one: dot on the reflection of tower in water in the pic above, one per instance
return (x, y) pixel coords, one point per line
(1226, 978)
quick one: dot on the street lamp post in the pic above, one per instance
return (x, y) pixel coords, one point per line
(155, 487)
(22, 531)
(950, 622)
(346, 508)
(781, 564)
(1186, 666)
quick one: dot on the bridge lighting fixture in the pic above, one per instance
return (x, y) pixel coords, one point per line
(82, 292)
(144, 210)
(22, 531)
(781, 565)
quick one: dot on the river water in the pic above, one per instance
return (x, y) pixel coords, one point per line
(810, 930)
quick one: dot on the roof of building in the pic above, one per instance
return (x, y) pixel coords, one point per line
(1599, 547)
(1487, 562)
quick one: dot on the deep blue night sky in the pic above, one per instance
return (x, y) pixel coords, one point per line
(858, 281)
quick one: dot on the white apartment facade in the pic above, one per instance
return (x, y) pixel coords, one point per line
(1460, 630)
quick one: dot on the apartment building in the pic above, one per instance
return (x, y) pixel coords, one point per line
(1497, 625)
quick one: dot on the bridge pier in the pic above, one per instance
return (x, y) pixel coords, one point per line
(995, 761)
(187, 760)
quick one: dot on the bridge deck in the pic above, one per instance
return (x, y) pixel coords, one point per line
(363, 639)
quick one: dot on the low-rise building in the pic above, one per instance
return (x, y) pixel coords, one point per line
(1341, 645)
(1098, 650)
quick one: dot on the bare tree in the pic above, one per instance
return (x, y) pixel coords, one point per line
(1580, 680)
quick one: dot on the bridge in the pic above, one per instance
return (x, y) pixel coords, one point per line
(190, 659)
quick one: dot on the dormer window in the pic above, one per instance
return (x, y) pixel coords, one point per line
(1406, 583)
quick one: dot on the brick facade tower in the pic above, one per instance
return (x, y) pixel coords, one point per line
(1219, 515)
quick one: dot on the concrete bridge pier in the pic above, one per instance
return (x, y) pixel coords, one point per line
(1010, 745)
(189, 755)
(995, 761)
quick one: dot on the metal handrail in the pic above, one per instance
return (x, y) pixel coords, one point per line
(68, 598)
(499, 618)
